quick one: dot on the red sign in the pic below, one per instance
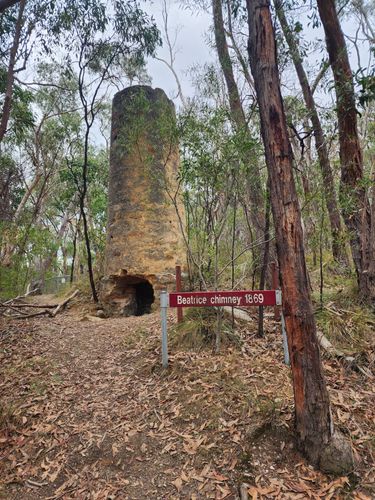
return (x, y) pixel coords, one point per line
(243, 298)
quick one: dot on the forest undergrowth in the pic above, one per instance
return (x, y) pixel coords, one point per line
(87, 411)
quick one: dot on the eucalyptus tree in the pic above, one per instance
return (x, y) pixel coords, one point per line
(338, 248)
(356, 207)
(101, 37)
(365, 11)
(10, 181)
(25, 33)
(213, 174)
(314, 427)
(6, 107)
(41, 148)
(239, 118)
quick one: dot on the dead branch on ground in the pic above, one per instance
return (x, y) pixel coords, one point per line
(12, 308)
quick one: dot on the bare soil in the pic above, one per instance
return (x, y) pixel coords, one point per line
(87, 413)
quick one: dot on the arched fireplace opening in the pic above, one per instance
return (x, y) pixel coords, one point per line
(129, 295)
(144, 295)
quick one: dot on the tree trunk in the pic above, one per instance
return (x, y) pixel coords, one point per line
(7, 105)
(338, 248)
(82, 199)
(355, 205)
(46, 264)
(309, 200)
(313, 419)
(28, 192)
(74, 250)
(255, 189)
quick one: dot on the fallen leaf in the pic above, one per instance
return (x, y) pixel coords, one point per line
(191, 445)
(178, 484)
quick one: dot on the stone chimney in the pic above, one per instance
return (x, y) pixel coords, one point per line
(144, 237)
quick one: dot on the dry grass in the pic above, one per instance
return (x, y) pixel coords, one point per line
(198, 330)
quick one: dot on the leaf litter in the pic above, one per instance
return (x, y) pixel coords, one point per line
(87, 412)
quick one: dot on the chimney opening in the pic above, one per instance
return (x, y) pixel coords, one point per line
(144, 294)
(131, 295)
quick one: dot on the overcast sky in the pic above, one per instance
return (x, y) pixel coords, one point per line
(193, 48)
(191, 45)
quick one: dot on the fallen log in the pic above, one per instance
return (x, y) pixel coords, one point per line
(238, 313)
(11, 307)
(349, 361)
(63, 304)
(19, 306)
(21, 314)
(19, 297)
(331, 350)
(33, 315)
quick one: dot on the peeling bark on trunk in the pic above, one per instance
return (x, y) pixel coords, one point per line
(338, 248)
(313, 419)
(356, 208)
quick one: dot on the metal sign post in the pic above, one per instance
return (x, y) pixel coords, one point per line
(285, 341)
(164, 339)
(178, 289)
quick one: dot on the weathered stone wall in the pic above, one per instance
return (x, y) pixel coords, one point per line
(144, 239)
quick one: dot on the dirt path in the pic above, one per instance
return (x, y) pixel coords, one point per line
(89, 414)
